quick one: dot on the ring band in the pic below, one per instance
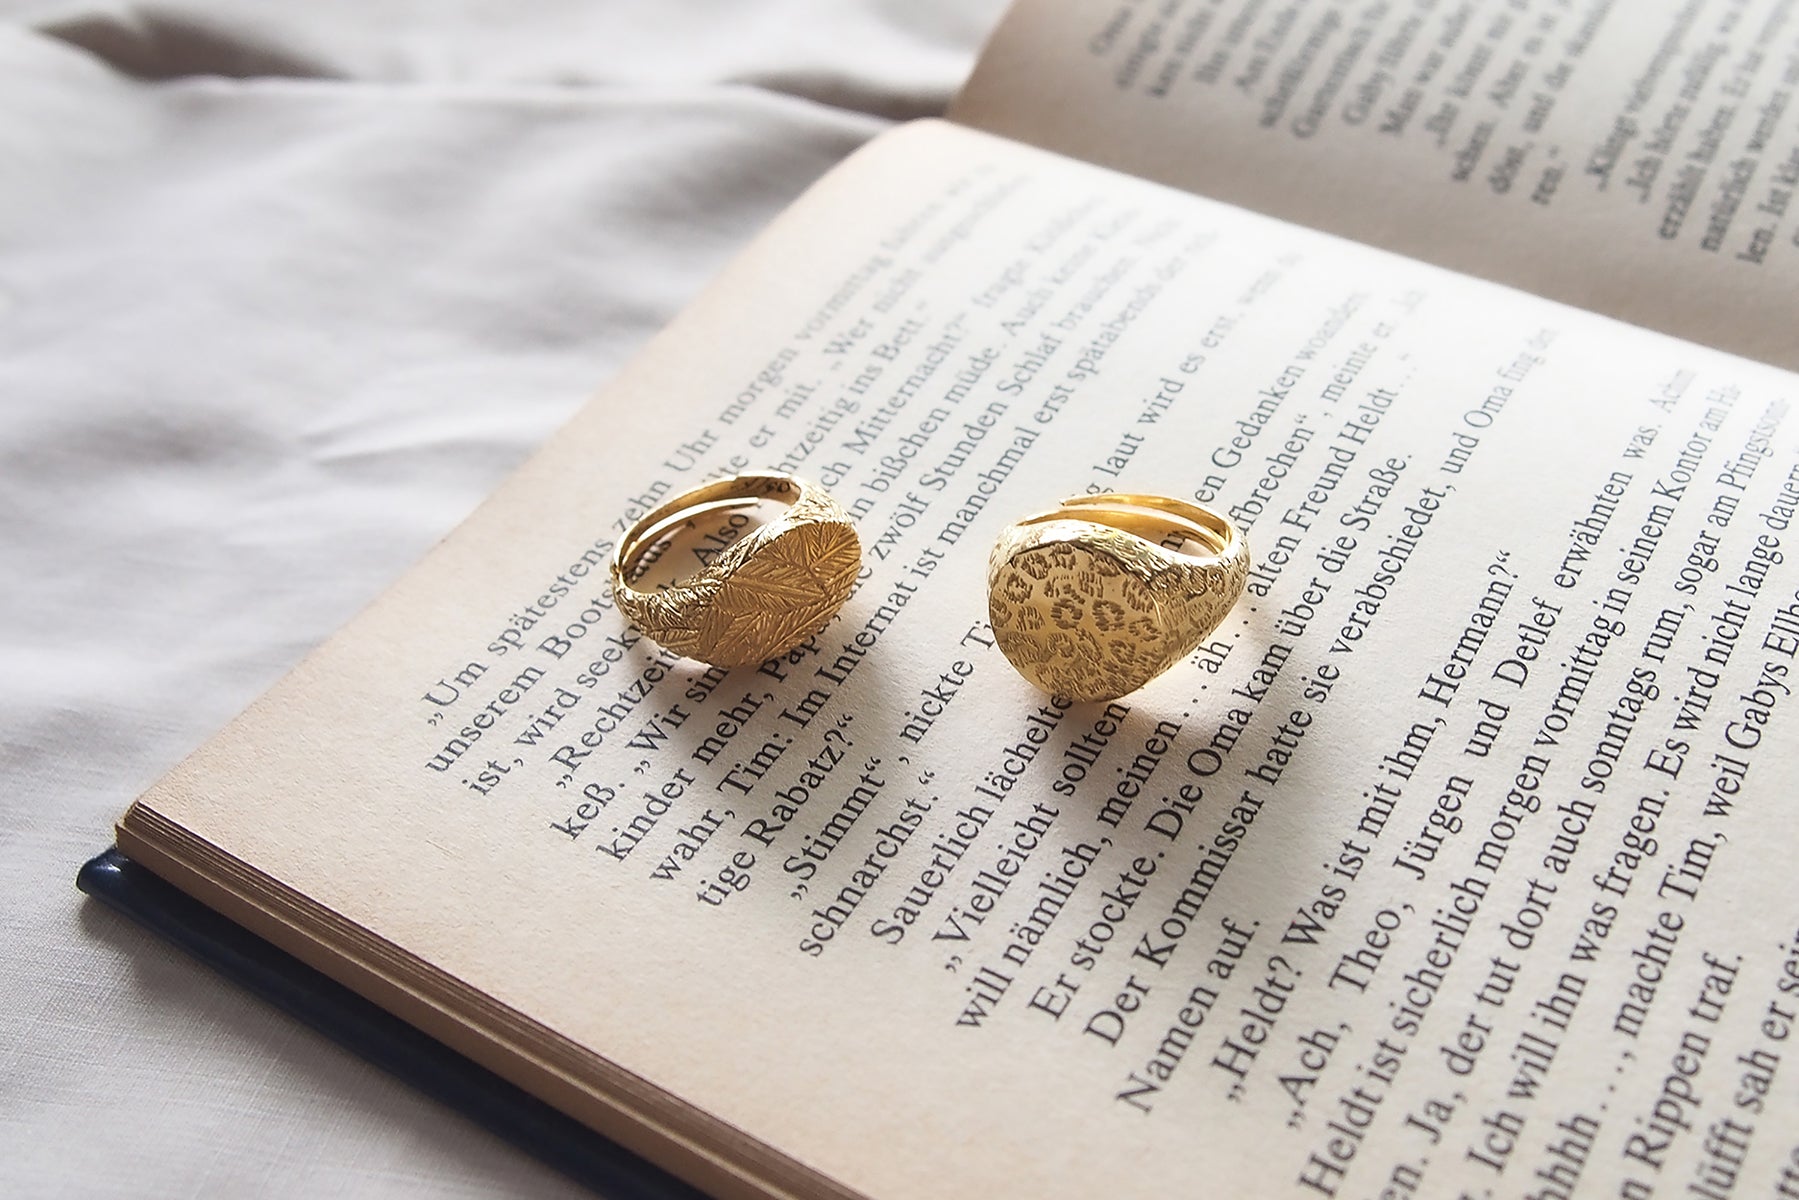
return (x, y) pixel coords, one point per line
(760, 596)
(1089, 603)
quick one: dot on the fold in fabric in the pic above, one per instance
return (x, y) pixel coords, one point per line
(284, 292)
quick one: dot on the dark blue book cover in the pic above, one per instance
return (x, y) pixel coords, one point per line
(376, 1034)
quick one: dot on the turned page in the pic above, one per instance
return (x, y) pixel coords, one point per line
(1458, 857)
(1635, 159)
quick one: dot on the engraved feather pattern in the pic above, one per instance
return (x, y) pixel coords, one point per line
(765, 593)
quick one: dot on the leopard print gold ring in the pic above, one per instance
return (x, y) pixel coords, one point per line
(1095, 598)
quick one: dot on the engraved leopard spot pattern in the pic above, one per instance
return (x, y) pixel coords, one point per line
(1081, 623)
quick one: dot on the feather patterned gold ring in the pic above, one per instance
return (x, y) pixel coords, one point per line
(1092, 600)
(759, 596)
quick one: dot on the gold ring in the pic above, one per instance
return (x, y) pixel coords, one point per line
(1090, 602)
(764, 593)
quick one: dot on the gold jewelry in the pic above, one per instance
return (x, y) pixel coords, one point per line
(1088, 601)
(763, 594)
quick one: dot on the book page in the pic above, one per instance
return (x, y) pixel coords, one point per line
(1458, 858)
(1635, 159)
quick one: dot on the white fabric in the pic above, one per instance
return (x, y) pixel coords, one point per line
(284, 290)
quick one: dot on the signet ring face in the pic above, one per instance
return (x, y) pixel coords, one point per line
(1090, 602)
(768, 591)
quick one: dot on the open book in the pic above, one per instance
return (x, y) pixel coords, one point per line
(1455, 861)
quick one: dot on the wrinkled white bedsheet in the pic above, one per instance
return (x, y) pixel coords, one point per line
(285, 289)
